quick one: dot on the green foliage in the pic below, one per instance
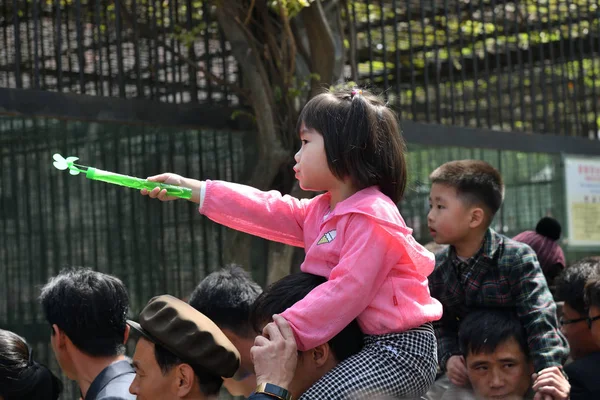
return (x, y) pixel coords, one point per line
(292, 7)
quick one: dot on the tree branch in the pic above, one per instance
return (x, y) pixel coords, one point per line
(145, 31)
(322, 50)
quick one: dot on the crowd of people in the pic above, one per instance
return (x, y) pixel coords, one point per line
(372, 315)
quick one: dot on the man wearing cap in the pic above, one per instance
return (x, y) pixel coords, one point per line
(181, 354)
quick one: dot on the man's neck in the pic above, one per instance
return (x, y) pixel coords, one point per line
(88, 368)
(198, 395)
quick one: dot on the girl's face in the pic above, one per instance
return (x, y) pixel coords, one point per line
(312, 170)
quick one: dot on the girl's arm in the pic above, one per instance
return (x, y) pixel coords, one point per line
(266, 214)
(351, 287)
(269, 215)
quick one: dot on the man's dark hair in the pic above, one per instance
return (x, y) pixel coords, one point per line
(592, 292)
(475, 181)
(482, 331)
(571, 283)
(362, 139)
(289, 290)
(226, 296)
(209, 383)
(90, 307)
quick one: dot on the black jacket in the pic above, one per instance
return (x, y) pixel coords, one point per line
(584, 376)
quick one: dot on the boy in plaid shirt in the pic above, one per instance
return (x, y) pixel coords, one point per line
(483, 269)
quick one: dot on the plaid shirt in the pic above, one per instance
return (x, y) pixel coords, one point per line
(504, 273)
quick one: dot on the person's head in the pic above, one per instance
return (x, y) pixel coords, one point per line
(549, 227)
(350, 135)
(87, 313)
(465, 196)
(181, 353)
(544, 242)
(316, 362)
(226, 296)
(494, 345)
(592, 299)
(21, 377)
(570, 290)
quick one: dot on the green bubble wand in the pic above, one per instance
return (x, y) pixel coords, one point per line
(96, 174)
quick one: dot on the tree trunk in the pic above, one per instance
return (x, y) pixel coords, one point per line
(271, 154)
(321, 46)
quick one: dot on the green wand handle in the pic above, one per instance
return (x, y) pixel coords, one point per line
(136, 183)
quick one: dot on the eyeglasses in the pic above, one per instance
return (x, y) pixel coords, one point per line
(589, 320)
(564, 322)
(592, 319)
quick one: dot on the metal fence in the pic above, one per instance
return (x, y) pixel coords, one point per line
(527, 65)
(124, 48)
(51, 219)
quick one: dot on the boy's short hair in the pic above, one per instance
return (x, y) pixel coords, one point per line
(482, 331)
(475, 181)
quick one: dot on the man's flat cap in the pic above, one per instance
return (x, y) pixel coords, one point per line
(189, 335)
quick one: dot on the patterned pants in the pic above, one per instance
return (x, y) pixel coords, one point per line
(394, 366)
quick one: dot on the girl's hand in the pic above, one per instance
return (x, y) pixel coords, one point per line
(168, 178)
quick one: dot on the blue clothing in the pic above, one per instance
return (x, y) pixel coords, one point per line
(113, 383)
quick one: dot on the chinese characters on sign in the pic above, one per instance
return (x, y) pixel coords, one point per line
(582, 176)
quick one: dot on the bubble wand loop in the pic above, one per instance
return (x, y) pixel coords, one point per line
(96, 174)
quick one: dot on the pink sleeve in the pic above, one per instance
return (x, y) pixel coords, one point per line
(266, 214)
(351, 287)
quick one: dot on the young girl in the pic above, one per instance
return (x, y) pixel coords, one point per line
(354, 236)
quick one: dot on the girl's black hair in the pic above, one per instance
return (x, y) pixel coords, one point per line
(20, 376)
(362, 137)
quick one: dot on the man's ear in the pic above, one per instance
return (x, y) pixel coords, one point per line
(126, 335)
(59, 336)
(185, 379)
(531, 369)
(477, 217)
(321, 354)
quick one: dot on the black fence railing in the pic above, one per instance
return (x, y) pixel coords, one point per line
(122, 48)
(527, 65)
(523, 65)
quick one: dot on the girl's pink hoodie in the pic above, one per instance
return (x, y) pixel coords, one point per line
(377, 272)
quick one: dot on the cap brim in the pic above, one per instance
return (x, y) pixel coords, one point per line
(138, 328)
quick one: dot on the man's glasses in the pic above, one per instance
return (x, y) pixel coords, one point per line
(591, 320)
(563, 321)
